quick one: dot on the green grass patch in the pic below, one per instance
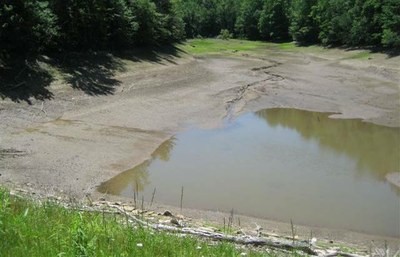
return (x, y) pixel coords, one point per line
(234, 46)
(287, 46)
(31, 229)
(361, 55)
(213, 46)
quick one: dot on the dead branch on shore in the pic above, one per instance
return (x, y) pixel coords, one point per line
(242, 239)
(11, 153)
(342, 254)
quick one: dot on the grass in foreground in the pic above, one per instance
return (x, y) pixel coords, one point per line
(31, 229)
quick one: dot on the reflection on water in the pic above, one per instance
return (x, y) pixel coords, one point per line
(137, 177)
(280, 164)
(375, 148)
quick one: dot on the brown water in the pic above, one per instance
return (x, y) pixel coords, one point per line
(279, 164)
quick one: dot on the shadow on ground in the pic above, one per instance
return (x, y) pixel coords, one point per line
(92, 73)
(389, 52)
(24, 80)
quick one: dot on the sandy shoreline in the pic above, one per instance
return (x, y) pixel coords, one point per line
(72, 143)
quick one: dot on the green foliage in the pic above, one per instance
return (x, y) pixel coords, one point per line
(40, 25)
(226, 14)
(29, 27)
(190, 12)
(26, 26)
(391, 23)
(225, 34)
(274, 21)
(366, 25)
(334, 21)
(97, 24)
(303, 26)
(30, 229)
(207, 18)
(248, 17)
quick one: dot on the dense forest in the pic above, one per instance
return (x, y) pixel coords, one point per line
(34, 26)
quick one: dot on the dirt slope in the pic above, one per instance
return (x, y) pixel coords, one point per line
(75, 141)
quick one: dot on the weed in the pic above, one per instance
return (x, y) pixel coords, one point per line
(45, 229)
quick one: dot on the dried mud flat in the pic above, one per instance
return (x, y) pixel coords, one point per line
(70, 144)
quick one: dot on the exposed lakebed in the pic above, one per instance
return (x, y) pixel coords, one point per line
(279, 164)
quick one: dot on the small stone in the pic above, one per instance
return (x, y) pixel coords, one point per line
(313, 240)
(179, 216)
(129, 208)
(198, 247)
(243, 254)
(164, 221)
(102, 199)
(207, 229)
(139, 245)
(167, 213)
(175, 222)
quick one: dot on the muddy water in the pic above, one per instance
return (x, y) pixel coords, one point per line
(279, 164)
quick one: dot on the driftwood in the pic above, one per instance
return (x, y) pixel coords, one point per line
(242, 239)
(11, 152)
(342, 254)
(42, 109)
(278, 243)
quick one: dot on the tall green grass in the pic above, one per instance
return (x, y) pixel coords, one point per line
(31, 229)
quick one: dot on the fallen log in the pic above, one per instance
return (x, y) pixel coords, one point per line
(342, 254)
(242, 239)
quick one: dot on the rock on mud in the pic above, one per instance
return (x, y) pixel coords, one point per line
(394, 178)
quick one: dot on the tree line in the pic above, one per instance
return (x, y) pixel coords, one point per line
(34, 26)
(327, 22)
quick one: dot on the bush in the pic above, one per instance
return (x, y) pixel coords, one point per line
(225, 34)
